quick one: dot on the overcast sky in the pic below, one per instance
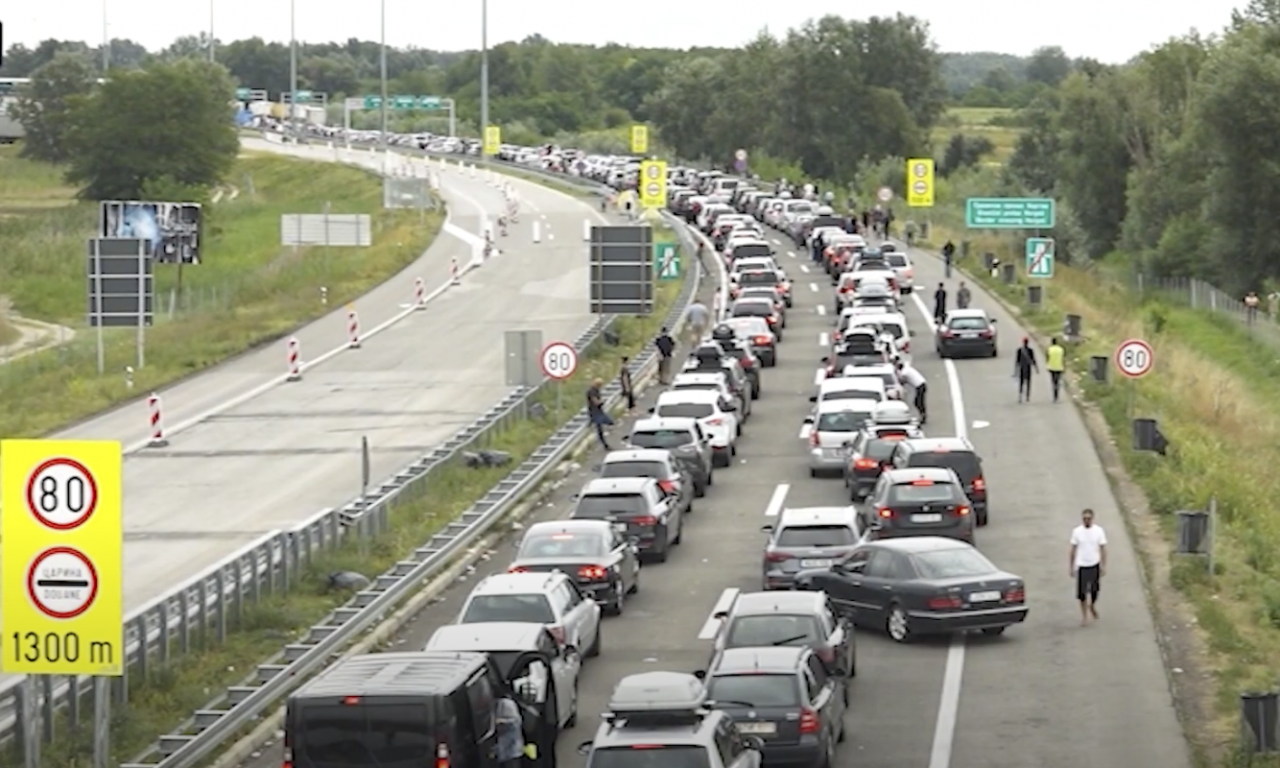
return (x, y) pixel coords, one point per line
(1110, 31)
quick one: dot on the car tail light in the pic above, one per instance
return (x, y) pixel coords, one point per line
(985, 334)
(961, 511)
(517, 569)
(288, 753)
(668, 486)
(762, 340)
(747, 362)
(979, 484)
(813, 437)
(906, 346)
(776, 557)
(922, 482)
(947, 333)
(809, 722)
(558, 633)
(884, 512)
(442, 756)
(866, 464)
(772, 320)
(1015, 595)
(715, 422)
(593, 572)
(944, 603)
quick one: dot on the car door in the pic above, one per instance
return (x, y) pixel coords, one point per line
(839, 636)
(628, 561)
(832, 707)
(842, 581)
(730, 417)
(879, 580)
(585, 613)
(565, 667)
(668, 513)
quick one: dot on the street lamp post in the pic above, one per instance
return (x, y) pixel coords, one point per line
(484, 67)
(106, 40)
(293, 68)
(212, 55)
(383, 103)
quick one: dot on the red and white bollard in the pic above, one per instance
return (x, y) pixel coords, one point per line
(353, 328)
(156, 422)
(295, 360)
(453, 271)
(419, 293)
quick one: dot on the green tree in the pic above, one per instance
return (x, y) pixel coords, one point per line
(171, 121)
(1048, 65)
(45, 109)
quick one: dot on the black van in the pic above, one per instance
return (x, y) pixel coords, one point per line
(433, 709)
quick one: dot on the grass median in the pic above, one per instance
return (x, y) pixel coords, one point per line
(248, 289)
(174, 690)
(1216, 394)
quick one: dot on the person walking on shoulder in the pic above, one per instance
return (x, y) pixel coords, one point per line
(1024, 364)
(1088, 564)
(596, 412)
(963, 296)
(624, 381)
(1055, 362)
(510, 732)
(698, 316)
(666, 347)
(940, 304)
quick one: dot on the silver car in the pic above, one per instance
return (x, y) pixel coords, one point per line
(808, 538)
(837, 423)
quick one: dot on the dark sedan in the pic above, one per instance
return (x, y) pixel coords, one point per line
(921, 586)
(601, 560)
(771, 619)
(758, 308)
(870, 457)
(967, 332)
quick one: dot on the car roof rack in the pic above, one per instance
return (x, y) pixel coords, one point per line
(657, 699)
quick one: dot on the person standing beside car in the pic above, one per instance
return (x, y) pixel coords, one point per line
(510, 727)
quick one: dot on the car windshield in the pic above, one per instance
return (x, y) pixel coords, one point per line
(662, 438)
(528, 609)
(756, 690)
(953, 562)
(896, 259)
(815, 536)
(602, 505)
(655, 469)
(923, 492)
(747, 250)
(968, 324)
(963, 463)
(562, 545)
(685, 410)
(760, 631)
(842, 421)
(651, 756)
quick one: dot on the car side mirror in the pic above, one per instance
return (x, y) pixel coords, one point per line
(701, 674)
(768, 528)
(808, 419)
(813, 398)
(825, 360)
(653, 409)
(992, 320)
(585, 747)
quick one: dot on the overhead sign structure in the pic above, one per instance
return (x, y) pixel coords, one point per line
(559, 360)
(492, 140)
(121, 283)
(61, 557)
(1040, 257)
(653, 184)
(666, 260)
(1134, 358)
(884, 194)
(639, 139)
(1009, 213)
(404, 102)
(622, 270)
(920, 182)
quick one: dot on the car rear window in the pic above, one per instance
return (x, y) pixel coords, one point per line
(655, 469)
(968, 324)
(758, 278)
(752, 309)
(650, 756)
(952, 563)
(880, 450)
(815, 536)
(562, 545)
(893, 329)
(933, 493)
(759, 631)
(685, 410)
(602, 505)
(896, 259)
(852, 394)
(963, 463)
(528, 609)
(662, 438)
(748, 250)
(842, 421)
(756, 690)
(364, 735)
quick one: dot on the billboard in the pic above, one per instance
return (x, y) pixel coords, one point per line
(172, 228)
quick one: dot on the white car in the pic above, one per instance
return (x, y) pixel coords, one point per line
(505, 641)
(717, 417)
(752, 264)
(886, 372)
(715, 381)
(891, 326)
(551, 599)
(902, 267)
(851, 388)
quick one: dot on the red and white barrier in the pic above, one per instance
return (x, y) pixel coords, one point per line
(586, 230)
(156, 422)
(353, 328)
(453, 271)
(419, 293)
(295, 360)
(537, 232)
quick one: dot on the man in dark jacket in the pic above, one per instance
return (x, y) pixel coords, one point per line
(1024, 364)
(666, 347)
(940, 304)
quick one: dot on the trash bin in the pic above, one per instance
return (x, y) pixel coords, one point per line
(1073, 324)
(964, 248)
(1035, 294)
(1098, 367)
(1008, 274)
(924, 231)
(1193, 532)
(988, 261)
(1258, 715)
(1144, 434)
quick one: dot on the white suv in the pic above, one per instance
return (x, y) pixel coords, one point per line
(551, 599)
(716, 415)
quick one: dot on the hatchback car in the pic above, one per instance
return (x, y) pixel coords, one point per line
(869, 456)
(598, 555)
(686, 442)
(967, 332)
(656, 463)
(702, 380)
(928, 501)
(758, 308)
(639, 503)
(551, 599)
(809, 537)
(756, 332)
(835, 423)
(954, 453)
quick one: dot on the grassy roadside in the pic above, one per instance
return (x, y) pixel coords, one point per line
(247, 291)
(188, 682)
(1216, 394)
(8, 333)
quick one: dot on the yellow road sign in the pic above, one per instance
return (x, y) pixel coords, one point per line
(653, 184)
(920, 183)
(61, 557)
(492, 139)
(640, 139)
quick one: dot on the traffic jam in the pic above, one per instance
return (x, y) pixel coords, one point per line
(896, 552)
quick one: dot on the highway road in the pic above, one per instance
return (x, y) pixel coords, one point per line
(1049, 693)
(284, 455)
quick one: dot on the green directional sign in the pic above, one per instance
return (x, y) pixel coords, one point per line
(304, 96)
(243, 93)
(429, 102)
(1040, 257)
(1009, 213)
(666, 260)
(404, 102)
(372, 102)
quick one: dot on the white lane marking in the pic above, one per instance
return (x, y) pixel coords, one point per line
(824, 339)
(792, 254)
(804, 268)
(944, 731)
(979, 424)
(819, 376)
(805, 431)
(711, 627)
(776, 501)
(822, 309)
(813, 287)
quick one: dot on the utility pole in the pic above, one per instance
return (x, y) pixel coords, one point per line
(293, 68)
(106, 41)
(212, 55)
(383, 104)
(484, 67)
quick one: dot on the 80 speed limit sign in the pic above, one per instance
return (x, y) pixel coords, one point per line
(1134, 358)
(559, 360)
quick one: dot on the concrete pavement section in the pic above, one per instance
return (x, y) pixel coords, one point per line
(1048, 694)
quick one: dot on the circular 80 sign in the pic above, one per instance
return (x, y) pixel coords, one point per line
(1134, 358)
(559, 360)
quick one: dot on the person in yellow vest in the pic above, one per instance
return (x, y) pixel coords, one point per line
(1055, 362)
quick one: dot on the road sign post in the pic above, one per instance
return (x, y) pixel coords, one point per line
(653, 184)
(558, 360)
(1040, 257)
(920, 182)
(666, 260)
(639, 139)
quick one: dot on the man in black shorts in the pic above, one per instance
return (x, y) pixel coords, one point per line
(1088, 564)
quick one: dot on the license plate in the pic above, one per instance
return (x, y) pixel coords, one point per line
(968, 335)
(984, 597)
(767, 729)
(816, 563)
(833, 453)
(934, 518)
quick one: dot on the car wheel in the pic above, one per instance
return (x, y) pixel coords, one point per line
(942, 352)
(994, 351)
(711, 476)
(679, 535)
(720, 460)
(738, 429)
(733, 451)
(594, 650)
(994, 631)
(755, 393)
(813, 472)
(982, 518)
(635, 582)
(619, 604)
(897, 625)
(699, 490)
(662, 555)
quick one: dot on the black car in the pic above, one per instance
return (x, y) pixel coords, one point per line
(954, 453)
(786, 696)
(921, 586)
(858, 351)
(759, 308)
(771, 619)
(601, 560)
(967, 332)
(925, 501)
(869, 456)
(685, 440)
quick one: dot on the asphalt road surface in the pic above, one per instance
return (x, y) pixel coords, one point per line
(1049, 693)
(295, 449)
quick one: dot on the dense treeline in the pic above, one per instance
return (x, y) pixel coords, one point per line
(1172, 157)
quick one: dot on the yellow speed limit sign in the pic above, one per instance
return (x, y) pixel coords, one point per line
(640, 139)
(492, 139)
(920, 183)
(61, 571)
(652, 184)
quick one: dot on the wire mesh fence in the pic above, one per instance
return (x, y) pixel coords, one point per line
(1261, 322)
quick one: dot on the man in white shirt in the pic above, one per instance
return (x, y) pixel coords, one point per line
(916, 380)
(1088, 564)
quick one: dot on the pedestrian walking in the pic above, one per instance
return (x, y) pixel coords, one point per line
(624, 381)
(697, 317)
(1251, 306)
(666, 347)
(940, 304)
(1088, 564)
(510, 727)
(948, 254)
(963, 296)
(1024, 364)
(596, 413)
(919, 386)
(1055, 362)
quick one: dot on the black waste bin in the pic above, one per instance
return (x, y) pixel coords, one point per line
(1258, 716)
(1193, 532)
(988, 261)
(1035, 294)
(1008, 274)
(964, 248)
(1098, 367)
(1144, 434)
(1073, 325)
